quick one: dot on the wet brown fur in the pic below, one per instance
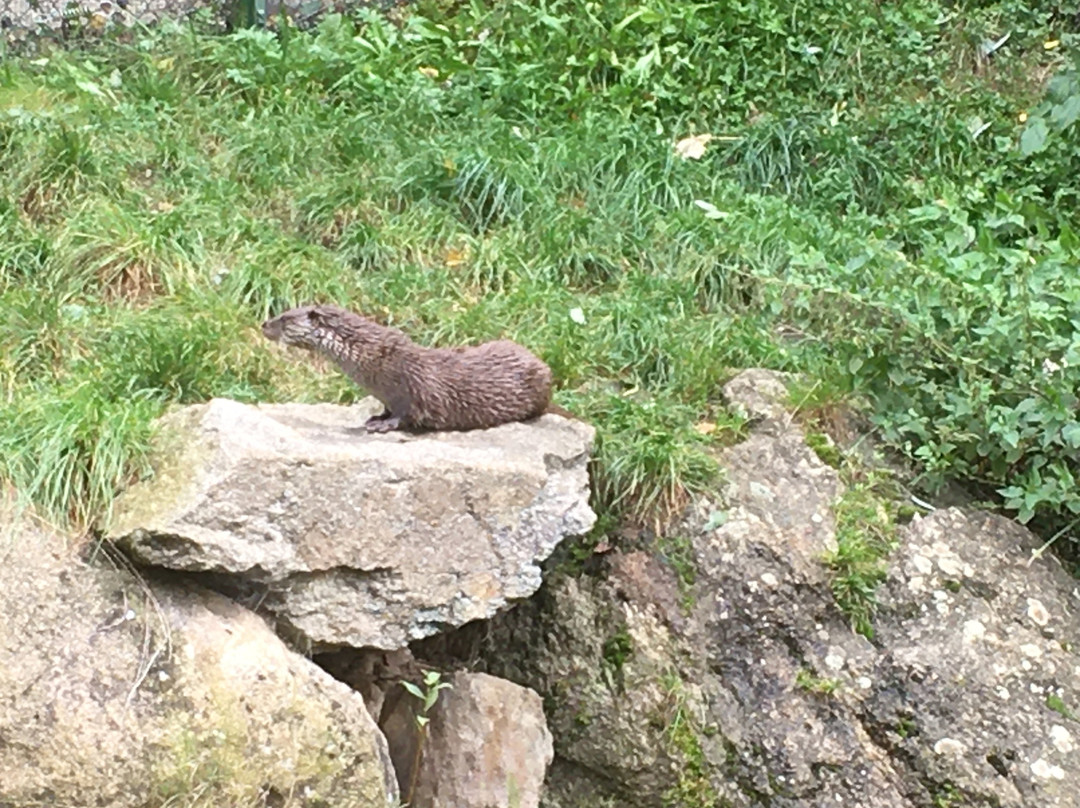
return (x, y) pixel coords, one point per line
(422, 388)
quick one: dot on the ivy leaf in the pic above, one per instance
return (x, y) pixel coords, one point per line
(1065, 114)
(1033, 140)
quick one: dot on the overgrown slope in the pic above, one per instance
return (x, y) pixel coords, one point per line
(874, 208)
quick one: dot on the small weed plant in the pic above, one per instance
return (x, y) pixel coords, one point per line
(811, 683)
(683, 738)
(865, 528)
(428, 696)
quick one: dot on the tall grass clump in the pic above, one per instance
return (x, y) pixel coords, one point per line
(651, 460)
(70, 452)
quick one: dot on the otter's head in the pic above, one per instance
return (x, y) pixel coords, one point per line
(307, 327)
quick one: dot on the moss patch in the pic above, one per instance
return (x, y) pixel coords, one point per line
(683, 738)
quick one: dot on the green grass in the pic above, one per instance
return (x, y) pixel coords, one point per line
(811, 683)
(475, 171)
(865, 534)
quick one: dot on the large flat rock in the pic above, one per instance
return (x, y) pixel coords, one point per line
(357, 539)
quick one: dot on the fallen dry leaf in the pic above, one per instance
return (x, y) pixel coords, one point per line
(693, 147)
(456, 256)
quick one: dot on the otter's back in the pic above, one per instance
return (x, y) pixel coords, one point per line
(478, 387)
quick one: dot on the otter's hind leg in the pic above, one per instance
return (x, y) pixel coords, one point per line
(382, 416)
(390, 418)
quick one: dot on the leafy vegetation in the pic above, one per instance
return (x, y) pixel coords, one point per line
(1057, 704)
(884, 200)
(427, 695)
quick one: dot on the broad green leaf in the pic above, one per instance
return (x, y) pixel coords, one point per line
(90, 87)
(1065, 114)
(926, 213)
(643, 66)
(647, 15)
(1033, 140)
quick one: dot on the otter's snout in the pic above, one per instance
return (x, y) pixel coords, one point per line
(272, 328)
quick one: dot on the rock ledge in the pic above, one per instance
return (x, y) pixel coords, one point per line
(357, 539)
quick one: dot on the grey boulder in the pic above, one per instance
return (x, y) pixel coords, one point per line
(356, 539)
(487, 745)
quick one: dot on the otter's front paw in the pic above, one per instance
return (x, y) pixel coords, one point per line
(382, 423)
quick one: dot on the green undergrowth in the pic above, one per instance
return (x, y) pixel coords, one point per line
(866, 517)
(811, 683)
(870, 211)
(867, 513)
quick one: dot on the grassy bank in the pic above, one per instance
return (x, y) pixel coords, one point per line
(871, 210)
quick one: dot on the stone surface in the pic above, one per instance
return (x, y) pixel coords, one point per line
(759, 395)
(760, 694)
(488, 745)
(357, 539)
(113, 695)
(26, 18)
(609, 672)
(980, 655)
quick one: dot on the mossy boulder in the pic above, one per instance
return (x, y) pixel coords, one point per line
(113, 694)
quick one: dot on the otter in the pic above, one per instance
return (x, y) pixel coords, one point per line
(421, 388)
